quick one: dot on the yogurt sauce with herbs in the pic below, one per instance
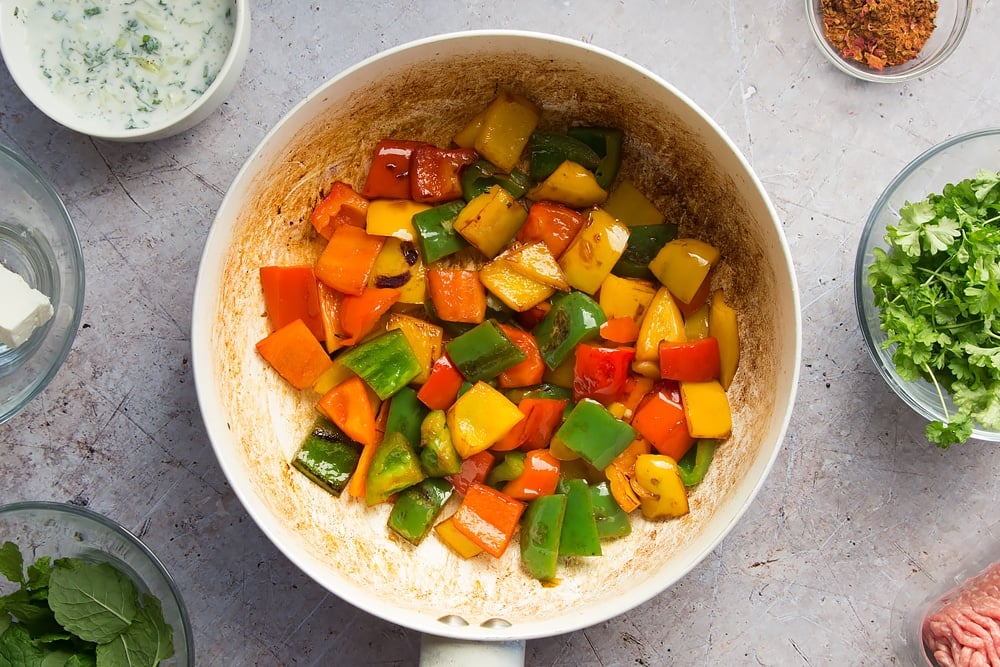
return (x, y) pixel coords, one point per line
(129, 63)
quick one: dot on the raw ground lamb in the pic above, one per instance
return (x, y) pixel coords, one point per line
(964, 631)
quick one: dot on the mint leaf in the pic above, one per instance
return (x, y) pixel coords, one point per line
(11, 563)
(17, 650)
(38, 574)
(81, 660)
(94, 601)
(164, 633)
(137, 646)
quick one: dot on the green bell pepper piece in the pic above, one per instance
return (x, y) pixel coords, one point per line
(386, 363)
(483, 352)
(541, 528)
(482, 175)
(327, 456)
(436, 235)
(612, 521)
(394, 467)
(417, 508)
(579, 536)
(594, 433)
(644, 242)
(548, 150)
(511, 467)
(545, 390)
(573, 319)
(438, 455)
(607, 142)
(406, 412)
(694, 464)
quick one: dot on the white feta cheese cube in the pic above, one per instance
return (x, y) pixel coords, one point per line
(22, 308)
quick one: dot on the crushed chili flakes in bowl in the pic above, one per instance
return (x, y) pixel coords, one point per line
(878, 33)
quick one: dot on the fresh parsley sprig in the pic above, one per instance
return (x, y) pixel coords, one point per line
(937, 288)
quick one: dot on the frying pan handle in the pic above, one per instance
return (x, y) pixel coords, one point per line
(445, 652)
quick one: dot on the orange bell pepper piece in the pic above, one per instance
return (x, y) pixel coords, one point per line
(329, 310)
(620, 330)
(359, 314)
(342, 206)
(455, 540)
(434, 172)
(552, 223)
(389, 174)
(488, 518)
(291, 293)
(542, 417)
(457, 295)
(525, 373)
(347, 405)
(295, 354)
(441, 388)
(660, 419)
(540, 476)
(346, 262)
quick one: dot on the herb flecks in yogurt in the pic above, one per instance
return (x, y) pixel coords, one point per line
(130, 63)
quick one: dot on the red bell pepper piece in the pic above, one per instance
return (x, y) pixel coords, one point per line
(360, 313)
(435, 172)
(690, 361)
(488, 518)
(525, 373)
(542, 417)
(540, 476)
(660, 420)
(554, 223)
(343, 206)
(530, 318)
(442, 386)
(389, 174)
(474, 470)
(292, 293)
(601, 373)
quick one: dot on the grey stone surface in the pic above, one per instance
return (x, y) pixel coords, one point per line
(856, 505)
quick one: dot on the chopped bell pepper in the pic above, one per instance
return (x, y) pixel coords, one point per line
(541, 529)
(694, 361)
(514, 289)
(626, 297)
(527, 372)
(573, 319)
(548, 150)
(342, 206)
(473, 469)
(327, 456)
(406, 414)
(333, 376)
(722, 325)
(619, 474)
(435, 172)
(506, 125)
(480, 176)
(579, 536)
(644, 242)
(660, 419)
(393, 217)
(594, 433)
(292, 293)
(658, 483)
(539, 476)
(457, 295)
(700, 298)
(593, 252)
(438, 455)
(607, 142)
(329, 306)
(398, 266)
(480, 417)
(394, 467)
(488, 518)
(456, 541)
(629, 206)
(435, 229)
(693, 465)
(417, 507)
(484, 352)
(441, 388)
(491, 220)
(349, 407)
(552, 223)
(425, 339)
(706, 407)
(535, 260)
(600, 373)
(622, 330)
(696, 327)
(662, 321)
(571, 184)
(386, 362)
(389, 173)
(295, 354)
(359, 314)
(346, 262)
(509, 467)
(612, 521)
(682, 265)
(542, 417)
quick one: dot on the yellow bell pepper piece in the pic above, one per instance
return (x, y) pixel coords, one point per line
(706, 408)
(425, 338)
(466, 138)
(393, 262)
(479, 418)
(625, 297)
(594, 251)
(393, 217)
(696, 324)
(331, 377)
(507, 124)
(514, 289)
(663, 321)
(621, 489)
(456, 540)
(631, 207)
(682, 265)
(722, 325)
(491, 220)
(570, 184)
(535, 261)
(659, 487)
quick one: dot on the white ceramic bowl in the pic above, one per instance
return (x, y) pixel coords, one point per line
(427, 90)
(950, 24)
(22, 23)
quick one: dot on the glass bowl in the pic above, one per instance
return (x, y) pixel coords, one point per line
(37, 241)
(950, 24)
(951, 161)
(60, 530)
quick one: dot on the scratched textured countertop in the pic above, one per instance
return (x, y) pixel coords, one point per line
(856, 505)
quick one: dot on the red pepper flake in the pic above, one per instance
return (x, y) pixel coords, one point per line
(879, 33)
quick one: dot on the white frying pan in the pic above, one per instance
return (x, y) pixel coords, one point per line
(426, 90)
